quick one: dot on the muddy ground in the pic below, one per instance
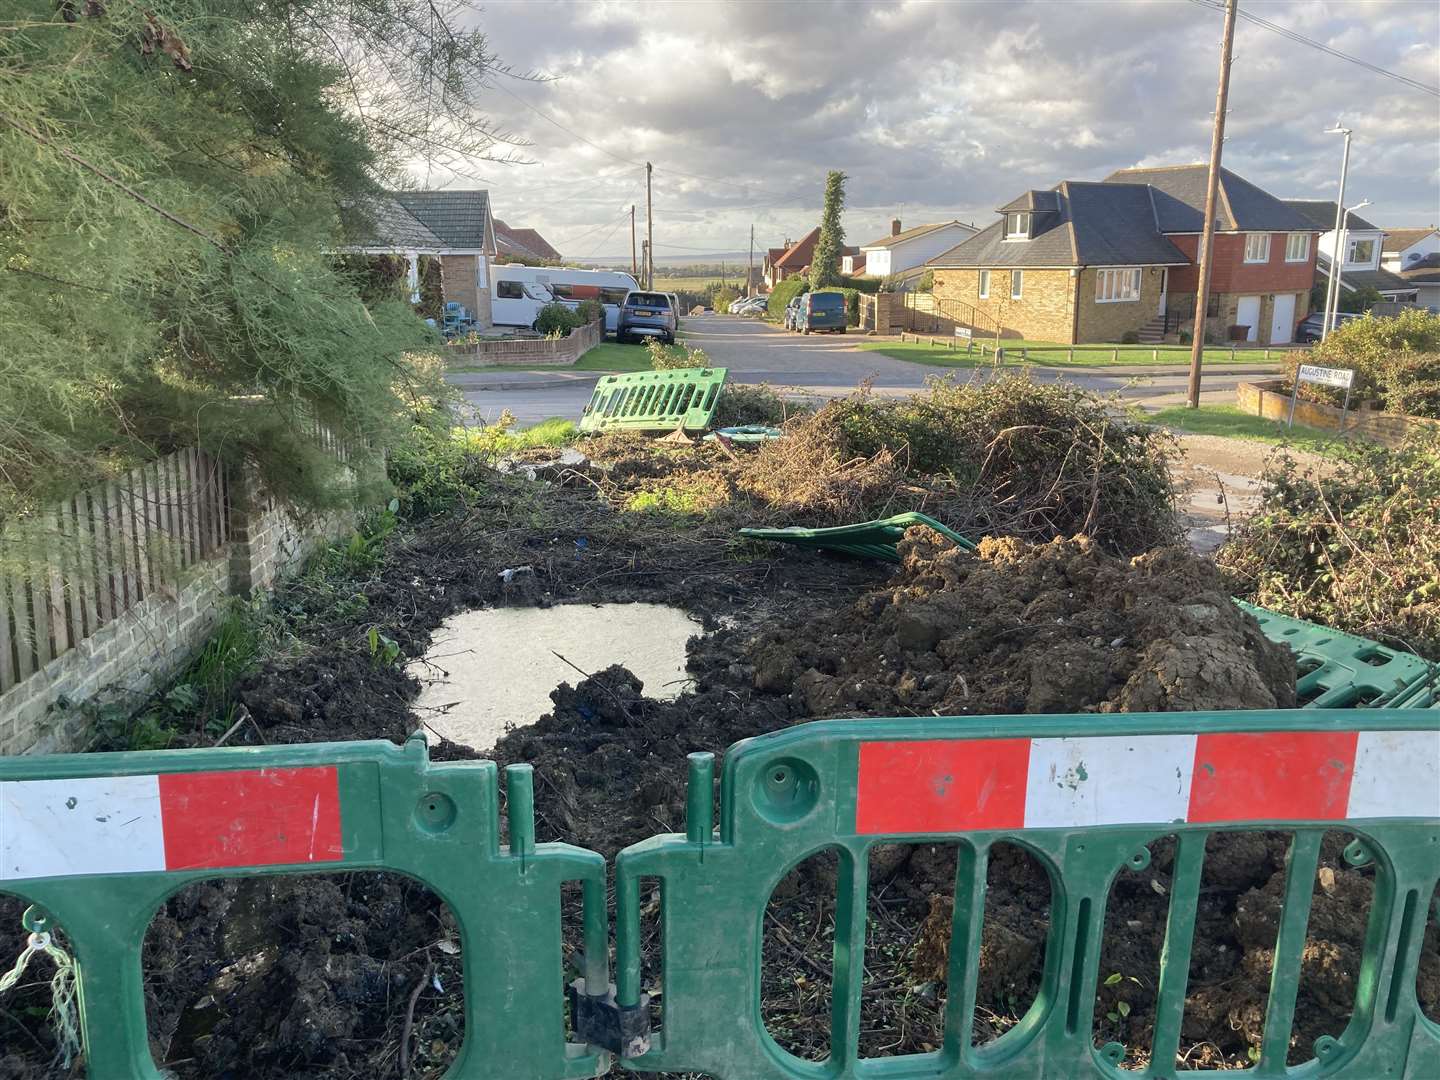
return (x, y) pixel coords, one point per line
(356, 976)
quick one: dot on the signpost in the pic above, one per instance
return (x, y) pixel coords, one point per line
(964, 332)
(1341, 378)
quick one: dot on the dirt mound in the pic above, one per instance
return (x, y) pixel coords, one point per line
(1022, 628)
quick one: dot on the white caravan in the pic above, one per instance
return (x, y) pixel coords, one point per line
(519, 292)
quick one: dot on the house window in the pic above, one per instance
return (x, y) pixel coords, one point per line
(1361, 252)
(1257, 247)
(1115, 286)
(984, 284)
(1297, 247)
(1017, 284)
(1017, 226)
(509, 290)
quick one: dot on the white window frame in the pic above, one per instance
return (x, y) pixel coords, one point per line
(1017, 284)
(1260, 240)
(1297, 247)
(1350, 246)
(983, 287)
(1021, 230)
(1118, 285)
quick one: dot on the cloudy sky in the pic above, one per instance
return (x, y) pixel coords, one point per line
(934, 110)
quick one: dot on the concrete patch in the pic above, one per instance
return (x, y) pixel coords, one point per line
(494, 668)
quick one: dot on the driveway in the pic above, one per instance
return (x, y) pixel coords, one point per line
(818, 366)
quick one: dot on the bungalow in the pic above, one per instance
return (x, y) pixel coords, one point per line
(1361, 267)
(796, 258)
(523, 245)
(769, 272)
(453, 226)
(1403, 248)
(1116, 259)
(904, 253)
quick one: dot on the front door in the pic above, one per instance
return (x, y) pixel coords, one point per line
(1164, 287)
(1282, 324)
(1247, 314)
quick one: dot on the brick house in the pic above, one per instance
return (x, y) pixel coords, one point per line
(453, 226)
(526, 245)
(1102, 261)
(796, 257)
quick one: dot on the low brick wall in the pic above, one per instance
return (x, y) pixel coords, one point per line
(1272, 400)
(140, 643)
(530, 351)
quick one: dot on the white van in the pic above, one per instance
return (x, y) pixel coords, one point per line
(519, 292)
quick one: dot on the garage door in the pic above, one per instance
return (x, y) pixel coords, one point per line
(1247, 313)
(1282, 323)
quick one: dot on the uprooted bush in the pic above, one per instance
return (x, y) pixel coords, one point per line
(1027, 460)
(740, 404)
(1396, 363)
(1355, 548)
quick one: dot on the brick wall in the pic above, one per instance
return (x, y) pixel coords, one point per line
(517, 350)
(1110, 322)
(1272, 401)
(150, 623)
(459, 272)
(1046, 311)
(1232, 274)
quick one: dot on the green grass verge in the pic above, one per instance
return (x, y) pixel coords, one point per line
(1229, 421)
(1048, 354)
(607, 356)
(556, 431)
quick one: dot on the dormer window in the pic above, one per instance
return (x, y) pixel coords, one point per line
(1017, 226)
(1360, 253)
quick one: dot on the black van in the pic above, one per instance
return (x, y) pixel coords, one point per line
(821, 311)
(647, 314)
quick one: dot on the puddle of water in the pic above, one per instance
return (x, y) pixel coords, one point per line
(496, 667)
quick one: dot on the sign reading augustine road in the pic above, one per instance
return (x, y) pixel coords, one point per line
(1326, 376)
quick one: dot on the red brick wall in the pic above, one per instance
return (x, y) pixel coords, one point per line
(1232, 274)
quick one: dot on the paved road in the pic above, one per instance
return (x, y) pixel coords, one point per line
(816, 366)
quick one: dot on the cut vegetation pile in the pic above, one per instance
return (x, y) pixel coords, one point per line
(1355, 547)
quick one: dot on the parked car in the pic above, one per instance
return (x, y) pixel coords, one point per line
(1309, 329)
(792, 313)
(821, 311)
(647, 314)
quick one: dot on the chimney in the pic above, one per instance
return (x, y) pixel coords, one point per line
(895, 226)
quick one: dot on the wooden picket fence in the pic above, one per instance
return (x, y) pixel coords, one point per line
(87, 560)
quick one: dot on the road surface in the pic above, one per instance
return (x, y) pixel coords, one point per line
(818, 366)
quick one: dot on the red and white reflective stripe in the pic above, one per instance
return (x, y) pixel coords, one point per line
(173, 821)
(953, 785)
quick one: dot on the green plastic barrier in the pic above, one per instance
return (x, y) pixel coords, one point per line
(99, 841)
(654, 400)
(1340, 670)
(865, 539)
(1087, 805)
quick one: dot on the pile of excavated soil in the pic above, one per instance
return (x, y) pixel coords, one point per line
(1021, 628)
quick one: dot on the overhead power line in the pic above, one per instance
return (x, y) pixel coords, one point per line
(1301, 39)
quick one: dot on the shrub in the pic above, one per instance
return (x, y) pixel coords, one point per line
(670, 357)
(1355, 548)
(590, 311)
(1396, 362)
(1130, 337)
(926, 282)
(861, 283)
(723, 298)
(782, 294)
(740, 404)
(557, 318)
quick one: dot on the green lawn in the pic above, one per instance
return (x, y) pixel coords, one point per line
(607, 356)
(1049, 354)
(1229, 421)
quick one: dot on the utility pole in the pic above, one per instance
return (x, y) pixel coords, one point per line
(633, 269)
(1337, 253)
(644, 261)
(750, 266)
(649, 231)
(1207, 235)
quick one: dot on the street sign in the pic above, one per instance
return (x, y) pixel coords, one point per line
(1342, 378)
(963, 332)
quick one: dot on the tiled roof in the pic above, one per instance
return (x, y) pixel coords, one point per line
(526, 242)
(1180, 201)
(772, 256)
(1400, 239)
(1033, 201)
(457, 217)
(387, 224)
(1379, 280)
(908, 234)
(797, 255)
(1321, 215)
(1094, 224)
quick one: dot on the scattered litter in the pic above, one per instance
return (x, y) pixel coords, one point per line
(509, 575)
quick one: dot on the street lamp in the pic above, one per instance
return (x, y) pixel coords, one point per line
(1332, 289)
(1337, 263)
